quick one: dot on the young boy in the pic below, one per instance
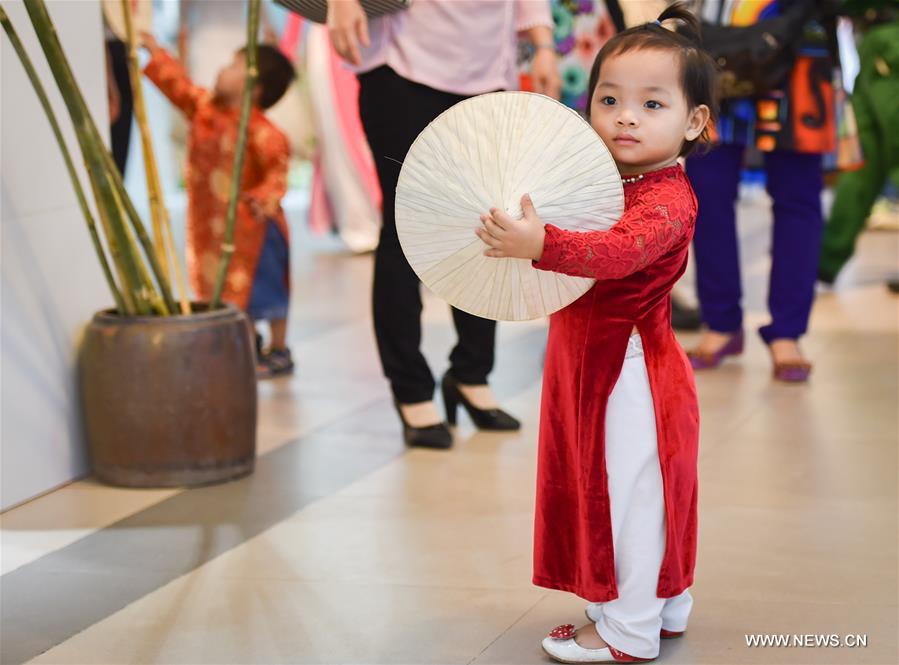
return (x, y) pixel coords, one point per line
(258, 276)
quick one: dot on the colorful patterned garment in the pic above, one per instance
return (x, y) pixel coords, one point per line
(581, 28)
(211, 145)
(799, 117)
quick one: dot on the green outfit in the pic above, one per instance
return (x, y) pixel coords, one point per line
(874, 99)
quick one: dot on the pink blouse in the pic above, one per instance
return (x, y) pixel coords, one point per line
(466, 47)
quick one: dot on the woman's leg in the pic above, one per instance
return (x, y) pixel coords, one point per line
(715, 178)
(393, 112)
(120, 130)
(472, 358)
(794, 182)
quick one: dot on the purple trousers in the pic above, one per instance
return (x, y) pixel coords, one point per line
(794, 182)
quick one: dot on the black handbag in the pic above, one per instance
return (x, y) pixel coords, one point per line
(317, 10)
(757, 58)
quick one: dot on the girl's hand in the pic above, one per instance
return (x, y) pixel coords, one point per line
(513, 238)
(348, 27)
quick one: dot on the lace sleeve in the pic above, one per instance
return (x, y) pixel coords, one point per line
(646, 231)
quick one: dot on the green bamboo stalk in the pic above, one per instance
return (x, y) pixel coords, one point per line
(116, 253)
(125, 203)
(240, 150)
(175, 262)
(147, 291)
(132, 216)
(91, 150)
(67, 157)
(154, 189)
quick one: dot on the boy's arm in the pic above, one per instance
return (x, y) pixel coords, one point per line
(271, 152)
(169, 76)
(644, 234)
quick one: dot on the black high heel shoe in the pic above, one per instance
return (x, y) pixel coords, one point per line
(495, 420)
(432, 436)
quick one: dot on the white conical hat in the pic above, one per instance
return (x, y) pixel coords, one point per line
(486, 152)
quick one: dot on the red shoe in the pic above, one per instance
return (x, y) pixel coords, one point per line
(705, 360)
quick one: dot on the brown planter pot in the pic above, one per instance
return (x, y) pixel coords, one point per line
(169, 401)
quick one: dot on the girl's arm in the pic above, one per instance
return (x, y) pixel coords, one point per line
(170, 77)
(643, 235)
(271, 151)
(645, 232)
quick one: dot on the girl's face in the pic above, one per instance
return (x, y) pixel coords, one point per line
(640, 111)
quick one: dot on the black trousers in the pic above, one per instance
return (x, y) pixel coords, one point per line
(120, 130)
(394, 111)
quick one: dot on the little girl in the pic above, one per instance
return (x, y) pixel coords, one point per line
(616, 489)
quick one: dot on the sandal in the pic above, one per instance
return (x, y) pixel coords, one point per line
(275, 362)
(705, 360)
(796, 371)
(790, 371)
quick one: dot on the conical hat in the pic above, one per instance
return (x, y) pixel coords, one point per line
(486, 152)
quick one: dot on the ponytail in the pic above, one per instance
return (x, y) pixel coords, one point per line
(678, 12)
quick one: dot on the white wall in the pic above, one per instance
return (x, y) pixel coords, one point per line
(51, 282)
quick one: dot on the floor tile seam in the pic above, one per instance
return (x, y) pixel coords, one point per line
(356, 583)
(867, 501)
(702, 597)
(508, 628)
(730, 430)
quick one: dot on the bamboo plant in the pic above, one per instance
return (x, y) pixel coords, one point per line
(237, 169)
(135, 268)
(162, 229)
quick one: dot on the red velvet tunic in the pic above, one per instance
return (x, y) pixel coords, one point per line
(636, 263)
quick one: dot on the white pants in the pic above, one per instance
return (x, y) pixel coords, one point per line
(631, 623)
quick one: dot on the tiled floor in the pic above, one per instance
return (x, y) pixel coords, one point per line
(346, 548)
